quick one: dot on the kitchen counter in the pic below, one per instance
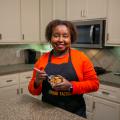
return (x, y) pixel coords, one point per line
(10, 69)
(25, 107)
(110, 79)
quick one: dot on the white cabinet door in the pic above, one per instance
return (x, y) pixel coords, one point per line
(113, 36)
(86, 9)
(9, 86)
(96, 9)
(30, 21)
(105, 110)
(89, 102)
(75, 9)
(9, 21)
(89, 105)
(25, 77)
(59, 9)
(24, 89)
(9, 92)
(46, 15)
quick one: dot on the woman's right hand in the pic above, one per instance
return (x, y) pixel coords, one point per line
(40, 76)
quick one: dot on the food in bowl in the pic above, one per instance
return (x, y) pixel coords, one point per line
(55, 79)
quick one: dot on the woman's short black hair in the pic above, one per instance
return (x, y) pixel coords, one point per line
(51, 25)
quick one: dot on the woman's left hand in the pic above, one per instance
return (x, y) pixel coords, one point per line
(63, 86)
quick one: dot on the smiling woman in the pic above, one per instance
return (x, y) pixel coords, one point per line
(61, 37)
(77, 71)
(60, 40)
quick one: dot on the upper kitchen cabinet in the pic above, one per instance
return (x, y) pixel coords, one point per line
(86, 9)
(46, 15)
(49, 10)
(96, 9)
(19, 21)
(59, 9)
(9, 21)
(75, 9)
(113, 23)
(30, 21)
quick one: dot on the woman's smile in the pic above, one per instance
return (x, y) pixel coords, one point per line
(60, 46)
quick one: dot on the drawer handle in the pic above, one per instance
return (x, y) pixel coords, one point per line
(28, 77)
(18, 92)
(9, 80)
(23, 37)
(106, 93)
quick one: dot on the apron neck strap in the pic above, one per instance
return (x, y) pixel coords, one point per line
(51, 53)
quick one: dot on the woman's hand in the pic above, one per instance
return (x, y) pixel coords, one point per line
(40, 76)
(63, 86)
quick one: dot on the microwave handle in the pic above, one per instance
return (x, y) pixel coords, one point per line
(91, 33)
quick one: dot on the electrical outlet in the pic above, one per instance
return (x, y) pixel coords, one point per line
(18, 53)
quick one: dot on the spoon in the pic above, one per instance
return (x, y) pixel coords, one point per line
(48, 77)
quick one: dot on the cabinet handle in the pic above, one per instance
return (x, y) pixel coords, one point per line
(28, 77)
(93, 105)
(23, 36)
(106, 93)
(21, 90)
(9, 80)
(18, 91)
(81, 13)
(0, 36)
(84, 15)
(107, 36)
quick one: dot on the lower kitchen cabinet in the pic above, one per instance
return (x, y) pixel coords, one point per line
(89, 105)
(9, 86)
(106, 104)
(13, 85)
(8, 93)
(25, 77)
(89, 102)
(103, 104)
(105, 110)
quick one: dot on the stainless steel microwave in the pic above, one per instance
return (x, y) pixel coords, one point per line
(91, 34)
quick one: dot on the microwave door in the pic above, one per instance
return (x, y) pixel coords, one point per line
(91, 33)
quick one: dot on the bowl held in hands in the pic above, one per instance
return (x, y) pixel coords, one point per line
(55, 79)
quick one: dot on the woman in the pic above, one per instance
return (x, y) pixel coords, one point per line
(78, 73)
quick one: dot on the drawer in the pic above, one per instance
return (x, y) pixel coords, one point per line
(25, 76)
(109, 93)
(8, 80)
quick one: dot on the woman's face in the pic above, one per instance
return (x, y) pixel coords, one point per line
(61, 39)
